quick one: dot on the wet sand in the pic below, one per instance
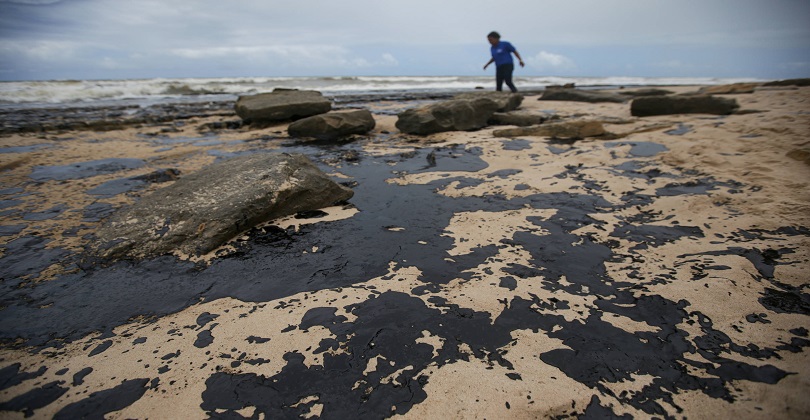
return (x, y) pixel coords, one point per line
(663, 273)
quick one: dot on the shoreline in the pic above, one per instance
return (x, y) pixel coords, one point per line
(525, 277)
(115, 114)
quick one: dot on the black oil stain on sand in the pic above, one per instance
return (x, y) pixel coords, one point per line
(390, 324)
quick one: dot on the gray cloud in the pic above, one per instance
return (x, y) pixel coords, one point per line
(155, 38)
(31, 2)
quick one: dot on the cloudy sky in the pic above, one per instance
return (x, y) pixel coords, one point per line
(113, 39)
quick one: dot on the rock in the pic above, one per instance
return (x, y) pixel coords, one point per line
(220, 125)
(561, 130)
(506, 101)
(333, 125)
(161, 175)
(451, 115)
(518, 118)
(281, 105)
(697, 104)
(646, 92)
(789, 82)
(201, 211)
(735, 88)
(578, 95)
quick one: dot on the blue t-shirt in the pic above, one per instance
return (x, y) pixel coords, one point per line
(502, 53)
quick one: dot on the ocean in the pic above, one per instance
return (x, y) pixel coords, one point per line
(145, 92)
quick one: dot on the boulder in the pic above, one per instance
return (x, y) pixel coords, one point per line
(506, 101)
(451, 115)
(518, 118)
(281, 105)
(578, 95)
(735, 88)
(789, 82)
(646, 92)
(333, 125)
(697, 104)
(560, 130)
(201, 211)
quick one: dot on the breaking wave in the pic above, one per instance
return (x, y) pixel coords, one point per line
(155, 90)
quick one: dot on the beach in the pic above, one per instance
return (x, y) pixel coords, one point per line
(660, 270)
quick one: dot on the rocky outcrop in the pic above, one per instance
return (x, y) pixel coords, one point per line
(578, 95)
(646, 92)
(518, 118)
(697, 104)
(452, 115)
(561, 130)
(506, 101)
(281, 105)
(789, 82)
(732, 89)
(333, 125)
(107, 118)
(201, 211)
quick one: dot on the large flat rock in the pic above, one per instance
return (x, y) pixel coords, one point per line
(333, 125)
(281, 105)
(452, 115)
(578, 95)
(561, 130)
(506, 101)
(682, 104)
(201, 211)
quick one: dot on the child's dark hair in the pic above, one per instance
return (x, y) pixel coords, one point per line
(494, 34)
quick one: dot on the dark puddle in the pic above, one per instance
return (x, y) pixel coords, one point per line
(11, 376)
(12, 198)
(50, 213)
(640, 148)
(272, 264)
(165, 141)
(640, 169)
(698, 186)
(557, 150)
(681, 130)
(98, 404)
(220, 155)
(4, 204)
(84, 169)
(11, 230)
(117, 186)
(96, 212)
(516, 144)
(11, 191)
(204, 141)
(124, 185)
(25, 149)
(25, 258)
(35, 399)
(789, 301)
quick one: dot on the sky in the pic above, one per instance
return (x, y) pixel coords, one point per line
(124, 39)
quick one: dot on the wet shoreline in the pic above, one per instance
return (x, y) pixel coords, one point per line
(118, 115)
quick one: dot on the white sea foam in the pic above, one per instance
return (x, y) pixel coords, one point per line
(89, 92)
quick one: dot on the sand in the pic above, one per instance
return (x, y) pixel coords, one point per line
(663, 273)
